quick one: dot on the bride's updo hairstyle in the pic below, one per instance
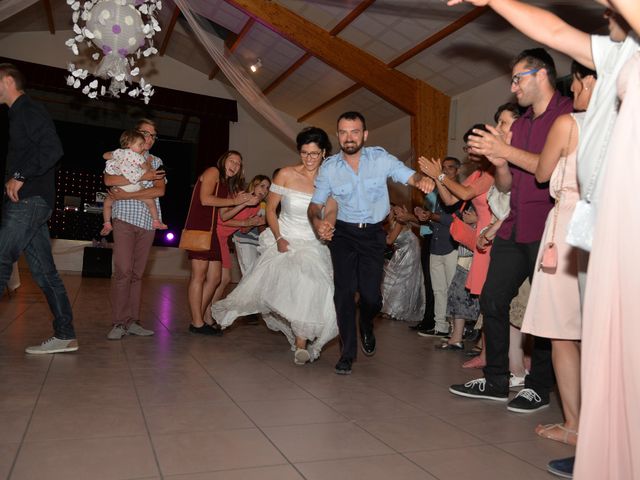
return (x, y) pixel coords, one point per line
(314, 135)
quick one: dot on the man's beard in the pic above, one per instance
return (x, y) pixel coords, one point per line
(351, 148)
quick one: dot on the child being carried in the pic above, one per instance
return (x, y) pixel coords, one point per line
(129, 162)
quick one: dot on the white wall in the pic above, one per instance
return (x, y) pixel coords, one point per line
(263, 149)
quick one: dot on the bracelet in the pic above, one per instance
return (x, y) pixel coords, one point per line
(279, 238)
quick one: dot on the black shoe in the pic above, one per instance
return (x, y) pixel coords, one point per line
(527, 401)
(471, 334)
(420, 326)
(458, 346)
(562, 467)
(206, 330)
(432, 332)
(480, 388)
(368, 341)
(343, 367)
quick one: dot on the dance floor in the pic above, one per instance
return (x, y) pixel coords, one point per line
(179, 406)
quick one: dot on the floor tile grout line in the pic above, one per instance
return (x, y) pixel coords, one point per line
(260, 429)
(144, 417)
(26, 428)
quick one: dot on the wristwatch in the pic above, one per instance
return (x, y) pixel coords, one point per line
(441, 177)
(18, 176)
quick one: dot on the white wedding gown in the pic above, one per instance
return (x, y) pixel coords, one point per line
(293, 290)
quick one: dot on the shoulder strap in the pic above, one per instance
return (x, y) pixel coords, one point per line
(213, 215)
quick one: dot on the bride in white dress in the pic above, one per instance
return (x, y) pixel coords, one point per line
(291, 284)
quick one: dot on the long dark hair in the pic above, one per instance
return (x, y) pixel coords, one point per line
(235, 183)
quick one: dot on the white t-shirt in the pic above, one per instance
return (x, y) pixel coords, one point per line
(609, 57)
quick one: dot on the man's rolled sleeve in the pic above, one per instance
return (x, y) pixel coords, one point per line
(398, 171)
(322, 189)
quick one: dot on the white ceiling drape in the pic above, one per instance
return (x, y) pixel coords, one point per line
(235, 73)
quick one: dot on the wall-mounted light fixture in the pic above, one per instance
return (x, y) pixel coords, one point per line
(256, 66)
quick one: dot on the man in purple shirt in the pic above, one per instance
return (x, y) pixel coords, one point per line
(515, 249)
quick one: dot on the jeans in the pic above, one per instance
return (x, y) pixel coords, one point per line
(24, 229)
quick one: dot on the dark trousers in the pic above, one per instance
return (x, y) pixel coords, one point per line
(24, 229)
(511, 263)
(358, 259)
(425, 255)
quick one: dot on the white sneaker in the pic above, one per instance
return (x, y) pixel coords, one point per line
(117, 332)
(137, 329)
(53, 345)
(301, 356)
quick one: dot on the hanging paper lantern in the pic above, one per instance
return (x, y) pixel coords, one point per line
(117, 29)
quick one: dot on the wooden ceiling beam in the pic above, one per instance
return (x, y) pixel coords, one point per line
(169, 31)
(355, 13)
(440, 35)
(428, 42)
(286, 74)
(344, 94)
(233, 44)
(395, 87)
(49, 11)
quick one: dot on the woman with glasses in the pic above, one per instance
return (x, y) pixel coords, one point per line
(291, 284)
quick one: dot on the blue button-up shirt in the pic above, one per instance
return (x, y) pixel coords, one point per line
(362, 197)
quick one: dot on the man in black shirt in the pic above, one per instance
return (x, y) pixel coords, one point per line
(34, 150)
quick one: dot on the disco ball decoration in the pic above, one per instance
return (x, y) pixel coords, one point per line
(122, 32)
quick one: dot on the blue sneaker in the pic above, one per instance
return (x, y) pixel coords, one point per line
(562, 467)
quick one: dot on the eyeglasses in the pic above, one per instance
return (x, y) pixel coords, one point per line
(515, 80)
(146, 134)
(313, 155)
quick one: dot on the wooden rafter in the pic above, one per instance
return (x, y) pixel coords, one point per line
(169, 31)
(355, 13)
(395, 87)
(328, 103)
(49, 11)
(287, 73)
(428, 107)
(440, 35)
(428, 42)
(233, 44)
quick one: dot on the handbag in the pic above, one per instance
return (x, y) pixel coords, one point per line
(583, 220)
(499, 202)
(549, 257)
(463, 233)
(198, 240)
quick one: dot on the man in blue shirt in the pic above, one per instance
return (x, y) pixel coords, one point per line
(356, 178)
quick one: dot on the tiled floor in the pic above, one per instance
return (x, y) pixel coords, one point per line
(177, 406)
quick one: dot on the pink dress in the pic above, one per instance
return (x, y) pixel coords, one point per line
(609, 440)
(553, 310)
(480, 182)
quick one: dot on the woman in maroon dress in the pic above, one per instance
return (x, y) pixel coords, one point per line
(219, 186)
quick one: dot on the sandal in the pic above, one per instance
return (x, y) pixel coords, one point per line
(457, 346)
(562, 434)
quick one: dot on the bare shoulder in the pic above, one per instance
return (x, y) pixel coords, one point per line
(210, 174)
(284, 176)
